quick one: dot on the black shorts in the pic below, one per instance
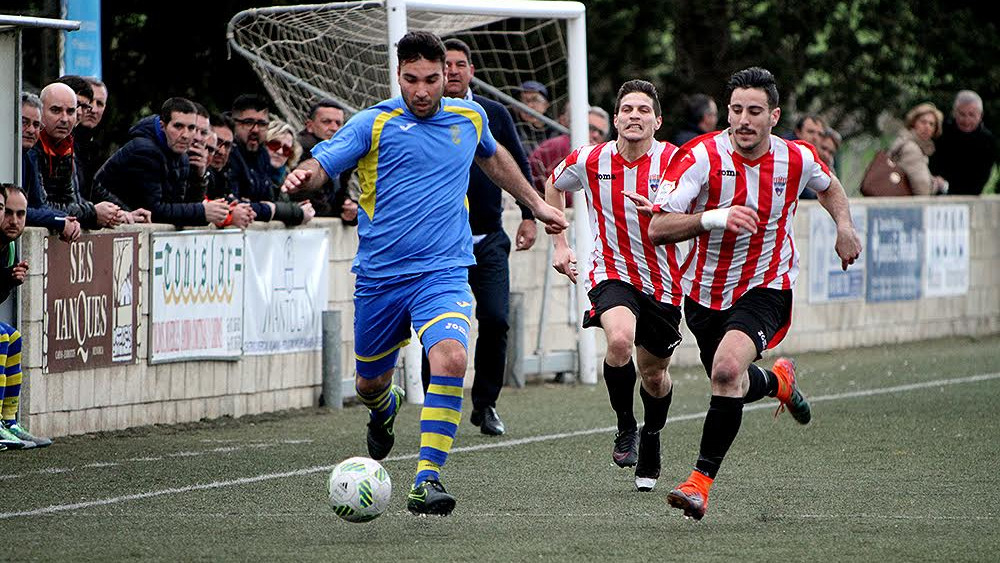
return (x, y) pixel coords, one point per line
(762, 314)
(657, 325)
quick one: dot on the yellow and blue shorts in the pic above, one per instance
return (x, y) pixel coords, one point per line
(438, 304)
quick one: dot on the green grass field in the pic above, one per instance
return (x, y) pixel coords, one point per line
(900, 463)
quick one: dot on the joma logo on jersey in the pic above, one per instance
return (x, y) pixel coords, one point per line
(730, 173)
(605, 176)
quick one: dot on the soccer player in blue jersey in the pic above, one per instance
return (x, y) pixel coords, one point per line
(413, 155)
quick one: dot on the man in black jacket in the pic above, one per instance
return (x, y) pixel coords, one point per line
(250, 165)
(966, 150)
(61, 175)
(490, 277)
(151, 170)
(39, 213)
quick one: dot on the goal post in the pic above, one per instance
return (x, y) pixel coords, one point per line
(346, 51)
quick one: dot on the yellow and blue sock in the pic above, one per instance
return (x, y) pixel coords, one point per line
(438, 425)
(10, 375)
(381, 404)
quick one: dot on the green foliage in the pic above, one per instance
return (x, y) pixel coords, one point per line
(851, 60)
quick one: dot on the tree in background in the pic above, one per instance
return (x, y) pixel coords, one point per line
(850, 59)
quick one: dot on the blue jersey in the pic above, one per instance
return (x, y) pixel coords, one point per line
(414, 175)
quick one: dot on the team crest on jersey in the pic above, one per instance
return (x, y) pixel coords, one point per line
(456, 134)
(654, 182)
(779, 184)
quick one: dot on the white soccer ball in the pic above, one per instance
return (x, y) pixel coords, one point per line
(360, 489)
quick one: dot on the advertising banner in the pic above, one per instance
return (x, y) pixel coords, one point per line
(895, 253)
(827, 279)
(287, 293)
(91, 293)
(947, 255)
(196, 303)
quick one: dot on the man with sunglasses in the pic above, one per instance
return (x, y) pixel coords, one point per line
(249, 165)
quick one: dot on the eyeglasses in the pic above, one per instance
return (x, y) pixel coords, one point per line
(211, 150)
(224, 145)
(280, 148)
(251, 123)
(596, 129)
(25, 123)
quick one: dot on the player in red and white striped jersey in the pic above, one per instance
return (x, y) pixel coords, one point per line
(735, 193)
(634, 289)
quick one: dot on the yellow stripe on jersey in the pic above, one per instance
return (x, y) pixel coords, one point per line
(441, 415)
(451, 315)
(383, 354)
(473, 116)
(437, 441)
(368, 165)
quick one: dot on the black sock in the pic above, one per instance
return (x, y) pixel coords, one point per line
(621, 388)
(654, 410)
(762, 384)
(722, 424)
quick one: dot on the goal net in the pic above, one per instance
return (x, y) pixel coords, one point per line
(341, 51)
(345, 51)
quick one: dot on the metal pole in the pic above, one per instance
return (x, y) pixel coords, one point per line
(576, 34)
(333, 384)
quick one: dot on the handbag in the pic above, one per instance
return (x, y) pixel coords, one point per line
(884, 179)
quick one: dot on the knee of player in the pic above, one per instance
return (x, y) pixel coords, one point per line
(655, 376)
(449, 361)
(727, 371)
(619, 344)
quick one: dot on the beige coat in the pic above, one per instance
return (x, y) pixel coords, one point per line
(911, 155)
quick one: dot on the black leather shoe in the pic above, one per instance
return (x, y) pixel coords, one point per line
(488, 421)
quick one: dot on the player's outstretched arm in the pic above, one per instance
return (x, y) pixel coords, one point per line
(676, 227)
(563, 258)
(505, 173)
(309, 175)
(834, 200)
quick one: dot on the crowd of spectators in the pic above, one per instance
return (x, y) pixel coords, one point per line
(181, 166)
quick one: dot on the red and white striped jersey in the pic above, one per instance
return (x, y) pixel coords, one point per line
(622, 249)
(707, 173)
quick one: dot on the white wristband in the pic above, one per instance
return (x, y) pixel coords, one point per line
(714, 219)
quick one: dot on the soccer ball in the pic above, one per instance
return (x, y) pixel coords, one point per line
(359, 489)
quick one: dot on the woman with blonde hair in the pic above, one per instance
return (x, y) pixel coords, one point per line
(912, 149)
(283, 149)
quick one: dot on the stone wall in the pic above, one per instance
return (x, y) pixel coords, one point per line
(82, 401)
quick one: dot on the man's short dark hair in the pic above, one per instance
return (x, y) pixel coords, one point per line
(808, 116)
(458, 45)
(12, 189)
(253, 102)
(176, 105)
(94, 81)
(755, 77)
(79, 85)
(200, 110)
(222, 120)
(417, 45)
(638, 86)
(696, 106)
(324, 103)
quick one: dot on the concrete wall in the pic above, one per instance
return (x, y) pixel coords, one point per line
(115, 398)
